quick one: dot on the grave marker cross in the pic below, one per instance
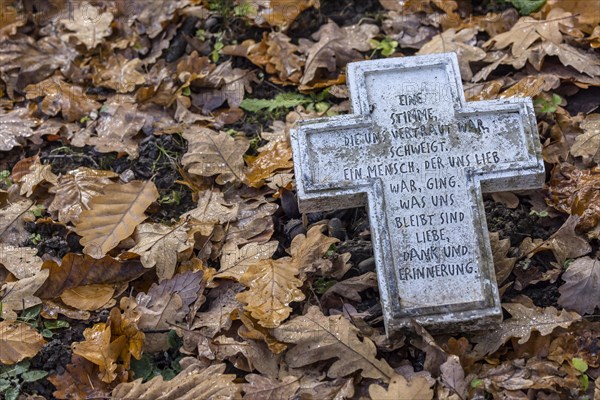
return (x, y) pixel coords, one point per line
(420, 157)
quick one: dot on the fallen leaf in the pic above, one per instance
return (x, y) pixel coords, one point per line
(256, 355)
(98, 349)
(114, 215)
(75, 190)
(587, 144)
(21, 294)
(88, 297)
(78, 270)
(214, 153)
(282, 57)
(502, 263)
(308, 250)
(453, 376)
(581, 290)
(264, 388)
(350, 288)
(272, 286)
(60, 96)
(38, 173)
(18, 341)
(335, 47)
(190, 384)
(80, 380)
(572, 56)
(279, 13)
(235, 260)
(462, 43)
(523, 322)
(336, 389)
(159, 246)
(119, 74)
(88, 24)
(417, 388)
(12, 220)
(15, 125)
(319, 338)
(275, 156)
(22, 262)
(217, 317)
(565, 243)
(212, 209)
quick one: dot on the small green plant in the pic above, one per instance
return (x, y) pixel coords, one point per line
(165, 364)
(174, 198)
(5, 178)
(36, 238)
(526, 7)
(541, 214)
(38, 210)
(548, 106)
(12, 378)
(215, 54)
(386, 47)
(580, 365)
(31, 316)
(282, 100)
(322, 285)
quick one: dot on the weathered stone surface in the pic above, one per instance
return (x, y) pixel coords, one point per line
(420, 156)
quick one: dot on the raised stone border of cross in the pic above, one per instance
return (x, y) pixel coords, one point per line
(419, 156)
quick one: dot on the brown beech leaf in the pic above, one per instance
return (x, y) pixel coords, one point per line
(335, 47)
(264, 388)
(523, 322)
(60, 96)
(214, 153)
(12, 220)
(15, 125)
(38, 173)
(190, 384)
(417, 388)
(78, 270)
(581, 290)
(18, 341)
(114, 215)
(274, 156)
(159, 246)
(319, 338)
(463, 43)
(272, 286)
(119, 74)
(22, 262)
(88, 24)
(575, 191)
(566, 243)
(88, 297)
(75, 190)
(502, 263)
(235, 260)
(79, 381)
(587, 144)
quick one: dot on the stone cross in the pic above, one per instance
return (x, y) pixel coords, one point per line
(419, 156)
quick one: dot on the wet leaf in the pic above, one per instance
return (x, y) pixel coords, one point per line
(502, 263)
(16, 125)
(275, 156)
(319, 338)
(256, 355)
(80, 380)
(574, 57)
(75, 190)
(581, 290)
(22, 262)
(114, 215)
(215, 153)
(88, 24)
(38, 173)
(120, 74)
(279, 13)
(587, 144)
(190, 384)
(21, 294)
(417, 388)
(235, 260)
(18, 341)
(88, 297)
(523, 322)
(263, 388)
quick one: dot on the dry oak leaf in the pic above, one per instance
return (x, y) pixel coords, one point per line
(221, 303)
(190, 384)
(320, 338)
(75, 190)
(12, 222)
(581, 290)
(315, 388)
(79, 381)
(279, 13)
(575, 191)
(528, 30)
(335, 48)
(119, 74)
(60, 96)
(587, 63)
(272, 286)
(254, 221)
(417, 388)
(18, 341)
(587, 144)
(463, 43)
(264, 388)
(274, 156)
(523, 322)
(88, 24)
(565, 243)
(98, 348)
(283, 58)
(236, 260)
(212, 209)
(159, 246)
(502, 263)
(78, 270)
(114, 215)
(14, 126)
(88, 297)
(38, 173)
(307, 250)
(256, 355)
(214, 153)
